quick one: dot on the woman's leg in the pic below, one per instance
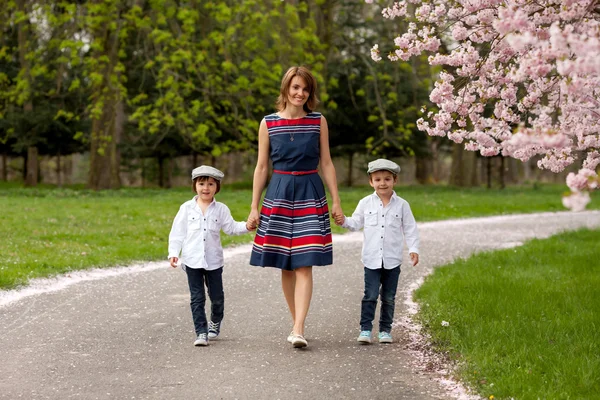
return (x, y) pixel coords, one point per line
(288, 283)
(302, 296)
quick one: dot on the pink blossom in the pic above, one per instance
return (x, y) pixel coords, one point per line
(538, 68)
(576, 201)
(582, 180)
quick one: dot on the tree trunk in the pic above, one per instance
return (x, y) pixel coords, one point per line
(107, 124)
(104, 167)
(436, 162)
(58, 175)
(5, 166)
(349, 180)
(31, 178)
(501, 176)
(143, 172)
(489, 172)
(463, 172)
(423, 169)
(161, 171)
(170, 164)
(473, 168)
(457, 168)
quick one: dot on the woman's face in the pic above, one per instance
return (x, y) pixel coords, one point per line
(297, 92)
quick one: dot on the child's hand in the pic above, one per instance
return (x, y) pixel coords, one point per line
(339, 219)
(414, 257)
(173, 261)
(253, 220)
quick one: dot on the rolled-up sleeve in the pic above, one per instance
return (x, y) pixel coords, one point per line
(231, 226)
(357, 220)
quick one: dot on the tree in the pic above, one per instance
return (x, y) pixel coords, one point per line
(40, 109)
(371, 108)
(216, 67)
(525, 79)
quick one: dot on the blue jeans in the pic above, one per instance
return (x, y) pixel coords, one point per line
(197, 278)
(379, 281)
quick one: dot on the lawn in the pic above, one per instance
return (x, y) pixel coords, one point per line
(523, 323)
(49, 231)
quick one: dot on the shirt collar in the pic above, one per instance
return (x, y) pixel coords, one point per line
(393, 198)
(209, 206)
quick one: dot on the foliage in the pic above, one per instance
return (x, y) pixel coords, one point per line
(372, 107)
(523, 78)
(212, 78)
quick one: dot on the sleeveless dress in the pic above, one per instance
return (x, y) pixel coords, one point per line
(294, 229)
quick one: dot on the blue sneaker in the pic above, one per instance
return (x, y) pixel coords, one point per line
(385, 337)
(364, 337)
(214, 328)
(201, 340)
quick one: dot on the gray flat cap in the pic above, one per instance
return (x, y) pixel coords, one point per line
(382, 164)
(207, 170)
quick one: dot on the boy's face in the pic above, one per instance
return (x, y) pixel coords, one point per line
(206, 188)
(383, 182)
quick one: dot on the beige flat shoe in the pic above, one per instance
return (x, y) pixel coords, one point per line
(299, 342)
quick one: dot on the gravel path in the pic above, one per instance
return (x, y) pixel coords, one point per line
(127, 333)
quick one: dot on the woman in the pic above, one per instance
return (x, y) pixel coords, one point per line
(294, 232)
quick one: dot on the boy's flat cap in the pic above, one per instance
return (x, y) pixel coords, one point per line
(207, 170)
(382, 164)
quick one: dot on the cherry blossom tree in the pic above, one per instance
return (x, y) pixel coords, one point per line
(521, 78)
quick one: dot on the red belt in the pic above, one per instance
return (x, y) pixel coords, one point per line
(312, 171)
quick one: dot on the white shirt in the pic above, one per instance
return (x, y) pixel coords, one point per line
(197, 236)
(385, 229)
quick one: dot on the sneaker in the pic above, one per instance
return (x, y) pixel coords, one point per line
(290, 337)
(364, 337)
(213, 329)
(298, 341)
(385, 337)
(201, 340)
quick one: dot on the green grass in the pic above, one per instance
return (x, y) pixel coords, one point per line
(48, 231)
(524, 323)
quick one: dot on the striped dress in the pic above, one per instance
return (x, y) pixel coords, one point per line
(294, 229)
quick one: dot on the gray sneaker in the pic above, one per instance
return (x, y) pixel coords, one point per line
(214, 328)
(201, 340)
(385, 337)
(364, 337)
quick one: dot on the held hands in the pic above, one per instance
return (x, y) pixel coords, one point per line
(253, 220)
(173, 261)
(414, 258)
(250, 225)
(337, 214)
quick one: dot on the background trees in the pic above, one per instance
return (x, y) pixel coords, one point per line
(137, 82)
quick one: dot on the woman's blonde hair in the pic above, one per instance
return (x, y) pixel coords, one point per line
(311, 82)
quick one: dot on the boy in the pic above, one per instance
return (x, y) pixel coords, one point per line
(196, 235)
(387, 221)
